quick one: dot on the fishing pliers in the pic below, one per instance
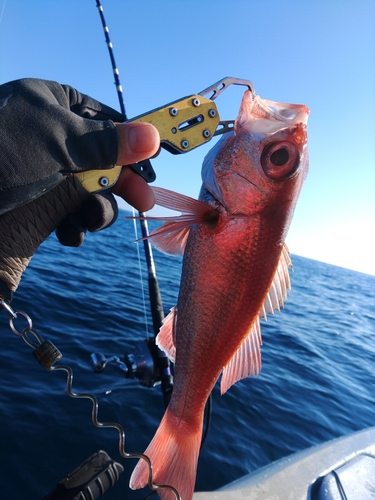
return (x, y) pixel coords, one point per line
(183, 125)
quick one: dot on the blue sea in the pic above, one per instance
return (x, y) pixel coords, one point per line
(317, 381)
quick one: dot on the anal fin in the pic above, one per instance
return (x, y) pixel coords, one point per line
(246, 361)
(166, 338)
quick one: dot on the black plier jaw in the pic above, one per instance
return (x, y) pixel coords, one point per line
(183, 125)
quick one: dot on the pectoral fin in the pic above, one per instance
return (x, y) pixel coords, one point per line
(172, 236)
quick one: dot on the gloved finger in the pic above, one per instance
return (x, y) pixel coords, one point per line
(71, 231)
(134, 190)
(98, 212)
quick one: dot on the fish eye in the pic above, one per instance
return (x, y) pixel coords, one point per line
(280, 159)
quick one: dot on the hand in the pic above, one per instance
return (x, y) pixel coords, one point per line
(136, 142)
(48, 133)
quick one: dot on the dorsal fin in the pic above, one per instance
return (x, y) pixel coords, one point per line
(246, 361)
(278, 291)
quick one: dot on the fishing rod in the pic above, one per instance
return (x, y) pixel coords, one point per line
(149, 363)
(160, 359)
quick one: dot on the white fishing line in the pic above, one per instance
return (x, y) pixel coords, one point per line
(140, 273)
(2, 10)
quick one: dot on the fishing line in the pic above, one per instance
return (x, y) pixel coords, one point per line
(154, 293)
(140, 273)
(2, 11)
(161, 360)
(116, 74)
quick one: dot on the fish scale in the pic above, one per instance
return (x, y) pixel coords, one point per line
(235, 271)
(215, 293)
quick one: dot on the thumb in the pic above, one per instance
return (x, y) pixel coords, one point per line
(136, 142)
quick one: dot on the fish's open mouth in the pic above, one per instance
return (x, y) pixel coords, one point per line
(262, 116)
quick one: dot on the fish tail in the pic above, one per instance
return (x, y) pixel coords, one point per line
(174, 454)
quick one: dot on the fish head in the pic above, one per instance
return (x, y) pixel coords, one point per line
(263, 163)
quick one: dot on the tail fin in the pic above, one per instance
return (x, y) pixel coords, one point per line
(174, 454)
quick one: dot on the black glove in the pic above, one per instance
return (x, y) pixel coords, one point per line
(48, 132)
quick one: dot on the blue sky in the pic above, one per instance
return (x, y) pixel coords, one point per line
(317, 52)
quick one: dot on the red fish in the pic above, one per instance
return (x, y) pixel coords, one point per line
(235, 271)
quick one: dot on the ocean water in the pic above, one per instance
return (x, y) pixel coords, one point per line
(317, 381)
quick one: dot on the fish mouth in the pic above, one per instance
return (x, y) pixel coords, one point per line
(266, 117)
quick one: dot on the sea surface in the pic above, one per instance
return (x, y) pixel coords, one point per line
(317, 381)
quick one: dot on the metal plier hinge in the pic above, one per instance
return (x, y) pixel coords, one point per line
(183, 125)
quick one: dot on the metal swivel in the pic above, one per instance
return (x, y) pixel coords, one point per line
(47, 354)
(44, 352)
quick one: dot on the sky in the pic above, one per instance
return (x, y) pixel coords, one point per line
(315, 52)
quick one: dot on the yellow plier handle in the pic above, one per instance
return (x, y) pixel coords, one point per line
(183, 125)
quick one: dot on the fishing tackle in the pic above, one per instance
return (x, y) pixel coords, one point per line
(141, 364)
(47, 356)
(105, 180)
(89, 480)
(183, 125)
